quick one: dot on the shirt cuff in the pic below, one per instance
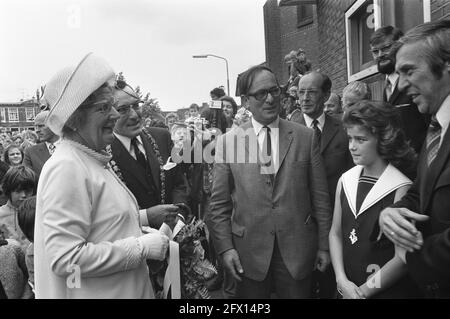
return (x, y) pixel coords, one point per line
(143, 217)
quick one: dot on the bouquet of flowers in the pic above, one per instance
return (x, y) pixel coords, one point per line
(195, 270)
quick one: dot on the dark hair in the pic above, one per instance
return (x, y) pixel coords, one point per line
(382, 33)
(194, 106)
(245, 80)
(19, 178)
(232, 101)
(384, 122)
(79, 117)
(10, 147)
(435, 39)
(27, 211)
(217, 92)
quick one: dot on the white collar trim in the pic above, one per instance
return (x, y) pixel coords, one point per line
(391, 179)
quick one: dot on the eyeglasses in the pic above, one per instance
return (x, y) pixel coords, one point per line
(105, 106)
(125, 109)
(261, 95)
(383, 49)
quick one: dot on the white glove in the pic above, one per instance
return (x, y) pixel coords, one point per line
(154, 245)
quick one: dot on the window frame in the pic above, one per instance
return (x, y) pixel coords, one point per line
(301, 22)
(377, 11)
(16, 111)
(29, 110)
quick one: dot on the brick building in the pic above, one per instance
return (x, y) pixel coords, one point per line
(18, 116)
(339, 29)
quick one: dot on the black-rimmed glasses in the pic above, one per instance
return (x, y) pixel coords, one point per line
(125, 109)
(262, 94)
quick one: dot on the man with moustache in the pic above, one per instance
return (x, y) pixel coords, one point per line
(35, 156)
(414, 124)
(269, 217)
(138, 157)
(420, 222)
(314, 90)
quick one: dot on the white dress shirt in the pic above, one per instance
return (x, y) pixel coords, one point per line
(126, 141)
(309, 121)
(443, 117)
(274, 138)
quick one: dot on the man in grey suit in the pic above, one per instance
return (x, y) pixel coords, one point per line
(270, 209)
(35, 156)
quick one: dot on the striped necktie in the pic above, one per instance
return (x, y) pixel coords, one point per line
(433, 140)
(388, 89)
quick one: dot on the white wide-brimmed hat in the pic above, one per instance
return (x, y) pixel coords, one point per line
(68, 88)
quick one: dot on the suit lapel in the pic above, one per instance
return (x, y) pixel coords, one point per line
(394, 95)
(152, 160)
(436, 168)
(330, 128)
(43, 153)
(127, 162)
(285, 140)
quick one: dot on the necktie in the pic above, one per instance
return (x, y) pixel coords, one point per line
(317, 130)
(139, 156)
(267, 148)
(433, 139)
(388, 89)
(51, 148)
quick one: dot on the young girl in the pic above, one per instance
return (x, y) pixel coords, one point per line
(13, 155)
(366, 265)
(19, 183)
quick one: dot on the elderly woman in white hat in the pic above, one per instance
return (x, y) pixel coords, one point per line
(88, 241)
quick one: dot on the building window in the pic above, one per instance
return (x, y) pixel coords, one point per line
(364, 17)
(2, 115)
(29, 112)
(13, 114)
(304, 15)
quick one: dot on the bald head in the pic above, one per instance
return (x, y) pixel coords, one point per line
(333, 105)
(44, 133)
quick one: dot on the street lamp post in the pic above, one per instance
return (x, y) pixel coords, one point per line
(204, 56)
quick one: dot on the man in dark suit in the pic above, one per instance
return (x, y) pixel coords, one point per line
(423, 64)
(414, 123)
(139, 156)
(270, 216)
(35, 156)
(314, 90)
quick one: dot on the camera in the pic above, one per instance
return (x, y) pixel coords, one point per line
(215, 105)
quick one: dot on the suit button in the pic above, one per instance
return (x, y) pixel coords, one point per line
(268, 182)
(272, 232)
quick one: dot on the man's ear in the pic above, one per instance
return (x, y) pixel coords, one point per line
(327, 96)
(447, 66)
(245, 101)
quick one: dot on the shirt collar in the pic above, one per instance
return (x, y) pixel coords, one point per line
(309, 120)
(126, 141)
(393, 78)
(443, 114)
(258, 126)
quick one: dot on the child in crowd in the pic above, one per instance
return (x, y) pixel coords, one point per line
(27, 211)
(354, 92)
(19, 183)
(380, 152)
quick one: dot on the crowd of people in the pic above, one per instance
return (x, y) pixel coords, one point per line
(295, 193)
